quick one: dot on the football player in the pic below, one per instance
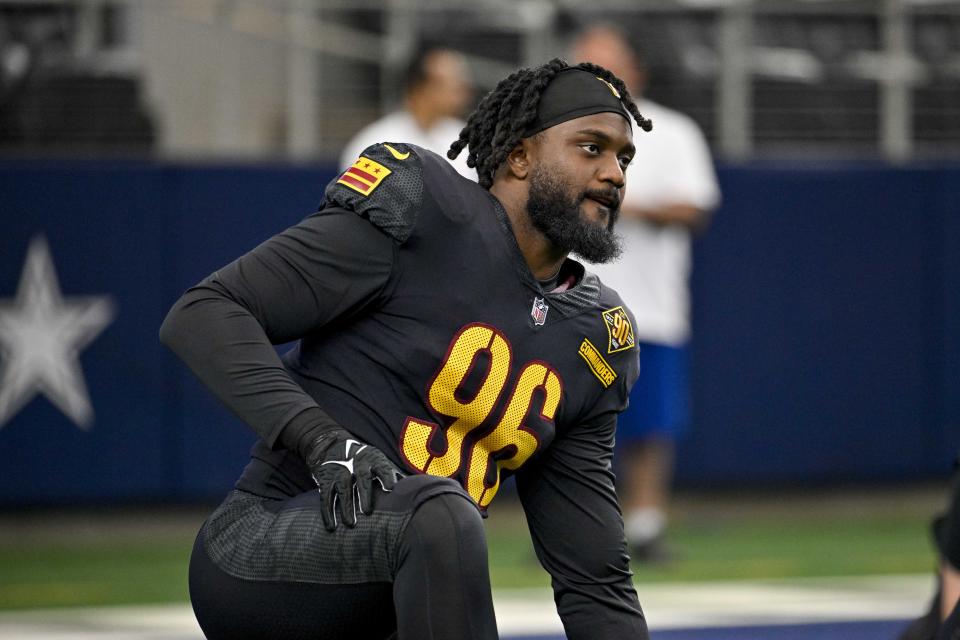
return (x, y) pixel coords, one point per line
(446, 341)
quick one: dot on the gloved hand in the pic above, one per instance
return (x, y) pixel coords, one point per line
(345, 471)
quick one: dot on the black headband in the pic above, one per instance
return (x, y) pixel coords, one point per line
(574, 93)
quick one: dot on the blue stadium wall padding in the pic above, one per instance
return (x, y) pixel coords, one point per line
(826, 327)
(826, 319)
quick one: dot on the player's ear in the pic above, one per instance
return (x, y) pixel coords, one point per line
(518, 161)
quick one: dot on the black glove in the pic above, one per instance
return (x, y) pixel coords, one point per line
(345, 470)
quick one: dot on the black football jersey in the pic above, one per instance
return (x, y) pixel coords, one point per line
(423, 332)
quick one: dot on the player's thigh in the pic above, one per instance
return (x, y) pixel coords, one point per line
(265, 568)
(232, 608)
(270, 550)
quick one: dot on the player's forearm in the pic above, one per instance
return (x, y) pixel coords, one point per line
(578, 536)
(594, 590)
(616, 618)
(227, 349)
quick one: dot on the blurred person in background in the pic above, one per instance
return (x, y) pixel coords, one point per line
(942, 620)
(444, 333)
(437, 90)
(672, 188)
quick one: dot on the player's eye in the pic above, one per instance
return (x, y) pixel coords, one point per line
(625, 161)
(591, 148)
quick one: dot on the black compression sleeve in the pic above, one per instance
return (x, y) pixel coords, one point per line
(332, 265)
(574, 518)
(303, 430)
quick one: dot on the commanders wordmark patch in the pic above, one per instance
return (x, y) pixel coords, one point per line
(619, 330)
(364, 176)
(604, 372)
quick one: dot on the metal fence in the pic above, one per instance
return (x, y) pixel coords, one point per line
(295, 78)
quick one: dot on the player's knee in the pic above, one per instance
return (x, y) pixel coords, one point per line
(448, 526)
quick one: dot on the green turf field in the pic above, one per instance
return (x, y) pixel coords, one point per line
(123, 557)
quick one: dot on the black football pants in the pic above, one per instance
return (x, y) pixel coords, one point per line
(415, 569)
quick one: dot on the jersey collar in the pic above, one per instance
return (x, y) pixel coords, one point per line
(584, 296)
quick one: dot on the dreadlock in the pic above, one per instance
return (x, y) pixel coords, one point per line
(498, 123)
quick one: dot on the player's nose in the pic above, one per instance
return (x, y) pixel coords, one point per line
(612, 172)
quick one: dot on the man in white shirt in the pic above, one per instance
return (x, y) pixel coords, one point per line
(671, 190)
(437, 91)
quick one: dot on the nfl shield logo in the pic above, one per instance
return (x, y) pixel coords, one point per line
(539, 311)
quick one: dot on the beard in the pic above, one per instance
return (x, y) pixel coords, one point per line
(560, 218)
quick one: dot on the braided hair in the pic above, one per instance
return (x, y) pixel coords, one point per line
(498, 123)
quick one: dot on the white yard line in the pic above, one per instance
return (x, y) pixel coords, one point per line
(529, 612)
(742, 603)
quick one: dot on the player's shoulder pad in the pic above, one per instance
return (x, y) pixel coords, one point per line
(384, 185)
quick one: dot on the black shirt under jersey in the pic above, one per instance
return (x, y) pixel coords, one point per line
(423, 332)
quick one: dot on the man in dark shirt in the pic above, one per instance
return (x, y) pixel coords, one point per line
(942, 620)
(446, 341)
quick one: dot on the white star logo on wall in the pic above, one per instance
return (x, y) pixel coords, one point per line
(41, 337)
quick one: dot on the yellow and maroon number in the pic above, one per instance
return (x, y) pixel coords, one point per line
(620, 328)
(469, 415)
(417, 435)
(510, 431)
